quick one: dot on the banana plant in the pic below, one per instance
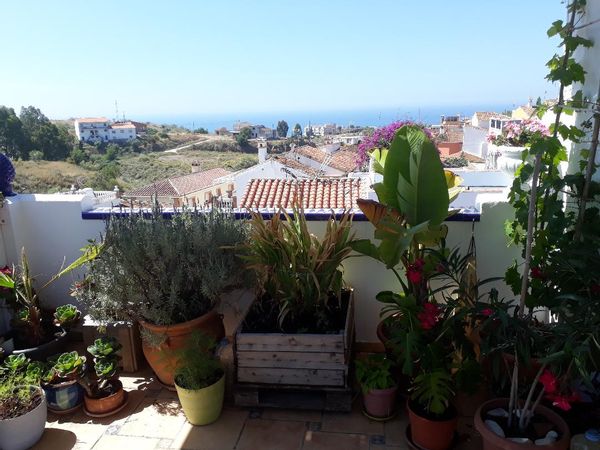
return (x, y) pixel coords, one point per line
(414, 198)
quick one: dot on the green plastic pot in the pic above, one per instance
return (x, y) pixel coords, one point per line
(202, 406)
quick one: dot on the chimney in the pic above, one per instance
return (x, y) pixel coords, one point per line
(195, 166)
(262, 151)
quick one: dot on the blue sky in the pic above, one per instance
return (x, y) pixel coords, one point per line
(74, 58)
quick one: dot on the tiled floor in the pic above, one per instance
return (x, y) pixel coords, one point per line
(153, 419)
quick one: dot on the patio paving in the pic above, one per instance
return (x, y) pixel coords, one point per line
(153, 419)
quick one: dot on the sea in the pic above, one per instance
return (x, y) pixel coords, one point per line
(344, 118)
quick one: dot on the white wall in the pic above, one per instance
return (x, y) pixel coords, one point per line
(474, 141)
(51, 229)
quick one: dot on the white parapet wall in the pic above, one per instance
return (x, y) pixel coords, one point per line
(52, 230)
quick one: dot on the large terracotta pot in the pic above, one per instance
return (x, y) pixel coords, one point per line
(163, 359)
(380, 403)
(431, 434)
(492, 441)
(104, 406)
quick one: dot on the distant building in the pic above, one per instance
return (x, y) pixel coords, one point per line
(321, 130)
(348, 139)
(200, 188)
(256, 131)
(100, 129)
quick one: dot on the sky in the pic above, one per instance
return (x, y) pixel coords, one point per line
(75, 58)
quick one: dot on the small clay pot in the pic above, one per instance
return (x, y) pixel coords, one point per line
(380, 403)
(491, 441)
(431, 434)
(106, 405)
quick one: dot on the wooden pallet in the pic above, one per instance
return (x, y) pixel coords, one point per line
(293, 397)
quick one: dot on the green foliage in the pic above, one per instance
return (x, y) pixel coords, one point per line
(163, 270)
(297, 130)
(69, 366)
(13, 140)
(282, 128)
(19, 394)
(36, 155)
(198, 368)
(243, 136)
(433, 390)
(294, 268)
(15, 363)
(201, 131)
(455, 162)
(374, 372)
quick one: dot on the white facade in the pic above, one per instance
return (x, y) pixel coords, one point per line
(348, 139)
(101, 130)
(321, 130)
(475, 141)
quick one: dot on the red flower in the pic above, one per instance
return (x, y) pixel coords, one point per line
(6, 270)
(563, 401)
(549, 381)
(440, 268)
(419, 263)
(414, 273)
(536, 272)
(487, 312)
(428, 317)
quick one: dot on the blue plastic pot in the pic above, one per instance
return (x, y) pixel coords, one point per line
(63, 396)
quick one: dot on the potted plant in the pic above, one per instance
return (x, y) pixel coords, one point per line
(168, 275)
(36, 336)
(426, 337)
(104, 394)
(557, 243)
(22, 404)
(299, 330)
(378, 386)
(61, 382)
(200, 381)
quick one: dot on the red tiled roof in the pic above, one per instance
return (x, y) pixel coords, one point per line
(179, 186)
(485, 115)
(343, 159)
(320, 193)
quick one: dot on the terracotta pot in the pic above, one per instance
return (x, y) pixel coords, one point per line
(163, 359)
(380, 403)
(105, 405)
(431, 434)
(492, 441)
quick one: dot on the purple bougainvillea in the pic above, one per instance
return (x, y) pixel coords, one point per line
(381, 138)
(7, 175)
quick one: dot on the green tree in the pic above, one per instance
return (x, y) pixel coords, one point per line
(538, 102)
(201, 131)
(44, 136)
(297, 130)
(243, 136)
(282, 128)
(13, 141)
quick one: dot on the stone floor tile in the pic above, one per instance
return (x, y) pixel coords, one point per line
(114, 442)
(353, 422)
(271, 435)
(155, 419)
(395, 430)
(318, 440)
(221, 435)
(56, 439)
(288, 414)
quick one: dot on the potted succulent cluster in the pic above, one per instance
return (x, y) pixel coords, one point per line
(200, 380)
(165, 273)
(104, 393)
(374, 374)
(301, 312)
(61, 382)
(34, 333)
(22, 404)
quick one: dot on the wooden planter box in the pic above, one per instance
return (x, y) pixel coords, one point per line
(276, 365)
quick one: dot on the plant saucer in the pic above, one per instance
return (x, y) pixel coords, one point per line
(414, 446)
(109, 413)
(379, 419)
(64, 412)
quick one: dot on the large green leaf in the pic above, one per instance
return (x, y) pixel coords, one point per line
(413, 172)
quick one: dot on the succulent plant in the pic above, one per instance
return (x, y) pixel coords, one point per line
(14, 363)
(69, 366)
(66, 315)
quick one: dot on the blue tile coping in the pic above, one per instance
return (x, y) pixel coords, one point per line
(311, 214)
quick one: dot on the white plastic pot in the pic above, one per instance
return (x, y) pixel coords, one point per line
(24, 431)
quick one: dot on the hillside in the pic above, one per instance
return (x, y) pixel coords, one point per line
(133, 170)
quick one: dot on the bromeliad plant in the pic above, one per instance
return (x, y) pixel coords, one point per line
(299, 276)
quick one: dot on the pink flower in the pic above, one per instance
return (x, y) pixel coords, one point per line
(414, 273)
(487, 312)
(429, 316)
(6, 270)
(549, 382)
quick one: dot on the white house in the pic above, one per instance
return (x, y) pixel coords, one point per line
(321, 130)
(101, 129)
(256, 131)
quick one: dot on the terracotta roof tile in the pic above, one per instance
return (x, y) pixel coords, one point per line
(179, 186)
(92, 119)
(343, 159)
(320, 193)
